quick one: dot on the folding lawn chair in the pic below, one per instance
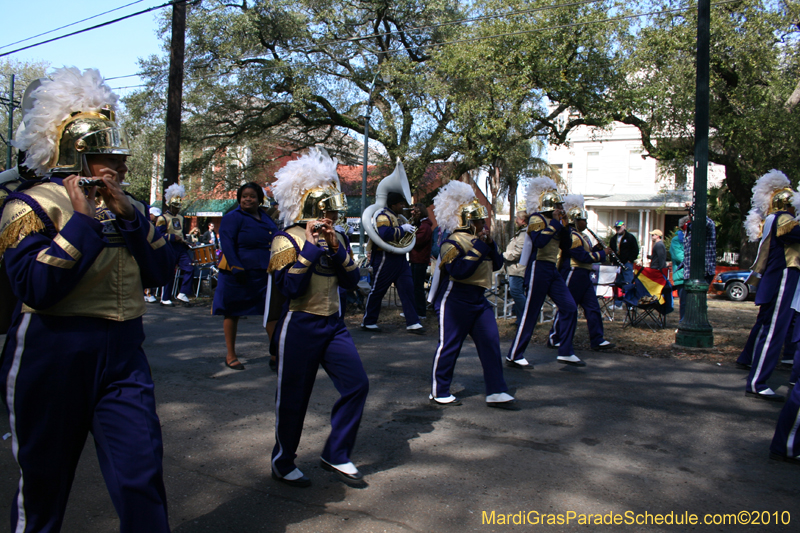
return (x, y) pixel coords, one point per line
(648, 300)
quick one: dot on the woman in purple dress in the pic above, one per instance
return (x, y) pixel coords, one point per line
(245, 236)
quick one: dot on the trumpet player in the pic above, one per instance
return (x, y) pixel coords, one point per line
(389, 267)
(310, 260)
(468, 258)
(577, 272)
(547, 227)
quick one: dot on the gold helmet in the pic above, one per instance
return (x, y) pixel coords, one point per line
(68, 115)
(549, 200)
(577, 213)
(469, 212)
(317, 201)
(781, 200)
(87, 133)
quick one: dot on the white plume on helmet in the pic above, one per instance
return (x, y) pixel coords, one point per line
(534, 192)
(447, 203)
(763, 190)
(312, 170)
(176, 189)
(753, 223)
(573, 200)
(66, 91)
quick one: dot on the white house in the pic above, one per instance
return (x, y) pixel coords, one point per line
(607, 167)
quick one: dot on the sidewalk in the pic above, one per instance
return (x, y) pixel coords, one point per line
(623, 434)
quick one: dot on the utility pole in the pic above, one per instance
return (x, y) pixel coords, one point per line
(364, 173)
(172, 149)
(10, 122)
(694, 330)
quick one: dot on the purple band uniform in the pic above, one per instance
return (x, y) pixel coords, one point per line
(73, 361)
(311, 332)
(467, 266)
(543, 279)
(388, 268)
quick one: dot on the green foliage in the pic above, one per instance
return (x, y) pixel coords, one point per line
(754, 70)
(280, 75)
(723, 207)
(24, 73)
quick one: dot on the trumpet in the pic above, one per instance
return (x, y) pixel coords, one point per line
(409, 237)
(613, 257)
(89, 182)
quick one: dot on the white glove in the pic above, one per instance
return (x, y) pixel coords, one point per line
(407, 227)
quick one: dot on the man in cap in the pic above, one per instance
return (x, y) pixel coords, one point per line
(626, 247)
(658, 258)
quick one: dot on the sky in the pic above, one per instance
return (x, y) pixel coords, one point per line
(114, 50)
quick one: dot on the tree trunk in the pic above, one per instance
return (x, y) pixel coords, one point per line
(742, 193)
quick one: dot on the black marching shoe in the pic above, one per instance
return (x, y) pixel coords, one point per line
(605, 345)
(784, 458)
(300, 482)
(520, 363)
(355, 480)
(766, 394)
(572, 360)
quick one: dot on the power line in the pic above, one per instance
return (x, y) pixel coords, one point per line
(72, 24)
(95, 27)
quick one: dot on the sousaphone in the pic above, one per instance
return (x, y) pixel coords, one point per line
(397, 182)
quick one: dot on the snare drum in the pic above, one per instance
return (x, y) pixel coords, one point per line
(203, 255)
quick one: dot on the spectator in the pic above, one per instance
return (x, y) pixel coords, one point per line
(194, 236)
(711, 250)
(627, 249)
(658, 259)
(516, 271)
(676, 252)
(420, 256)
(210, 237)
(243, 275)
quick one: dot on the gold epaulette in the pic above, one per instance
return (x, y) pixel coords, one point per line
(785, 224)
(536, 224)
(382, 220)
(449, 253)
(576, 241)
(23, 223)
(283, 253)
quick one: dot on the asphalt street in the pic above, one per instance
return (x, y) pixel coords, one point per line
(626, 434)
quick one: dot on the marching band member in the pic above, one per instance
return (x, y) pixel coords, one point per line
(78, 257)
(390, 267)
(577, 272)
(310, 261)
(173, 225)
(778, 266)
(545, 230)
(468, 258)
(785, 445)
